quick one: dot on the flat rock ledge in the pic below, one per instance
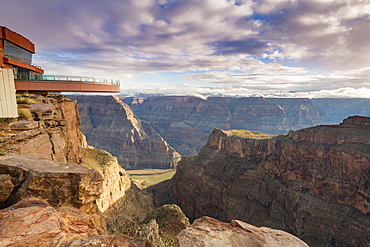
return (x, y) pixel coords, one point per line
(61, 184)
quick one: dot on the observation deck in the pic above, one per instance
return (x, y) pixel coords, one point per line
(46, 84)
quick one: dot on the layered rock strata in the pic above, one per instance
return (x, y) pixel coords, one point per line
(121, 202)
(61, 184)
(55, 133)
(110, 124)
(106, 192)
(313, 183)
(209, 232)
(185, 122)
(33, 222)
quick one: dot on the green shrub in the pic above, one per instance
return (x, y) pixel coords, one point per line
(24, 114)
(24, 100)
(2, 153)
(7, 120)
(2, 133)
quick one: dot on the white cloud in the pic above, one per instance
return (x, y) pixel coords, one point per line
(320, 45)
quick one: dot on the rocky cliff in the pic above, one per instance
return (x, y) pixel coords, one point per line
(313, 182)
(185, 122)
(50, 203)
(121, 202)
(110, 124)
(55, 133)
(42, 158)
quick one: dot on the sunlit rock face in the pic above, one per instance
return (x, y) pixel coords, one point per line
(55, 133)
(121, 203)
(110, 124)
(209, 232)
(34, 222)
(60, 184)
(313, 182)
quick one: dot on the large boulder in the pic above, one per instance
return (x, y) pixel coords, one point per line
(33, 222)
(209, 232)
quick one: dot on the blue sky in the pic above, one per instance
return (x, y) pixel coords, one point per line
(286, 48)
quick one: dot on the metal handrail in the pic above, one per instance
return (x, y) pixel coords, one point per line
(66, 78)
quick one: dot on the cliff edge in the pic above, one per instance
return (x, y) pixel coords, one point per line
(313, 182)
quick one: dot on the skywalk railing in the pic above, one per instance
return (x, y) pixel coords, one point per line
(64, 78)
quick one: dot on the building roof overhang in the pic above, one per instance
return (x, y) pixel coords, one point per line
(23, 65)
(16, 39)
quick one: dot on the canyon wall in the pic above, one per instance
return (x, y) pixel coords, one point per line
(50, 203)
(110, 124)
(334, 110)
(42, 158)
(185, 122)
(55, 134)
(313, 182)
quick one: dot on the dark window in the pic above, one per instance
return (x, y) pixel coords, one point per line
(16, 53)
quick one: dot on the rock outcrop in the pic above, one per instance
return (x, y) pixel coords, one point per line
(313, 183)
(110, 124)
(161, 226)
(33, 222)
(60, 184)
(55, 134)
(121, 202)
(209, 232)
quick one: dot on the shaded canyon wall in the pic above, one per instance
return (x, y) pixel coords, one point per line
(313, 182)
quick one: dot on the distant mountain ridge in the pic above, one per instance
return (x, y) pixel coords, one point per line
(186, 121)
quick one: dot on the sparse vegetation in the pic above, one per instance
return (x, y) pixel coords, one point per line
(2, 133)
(96, 158)
(144, 181)
(24, 100)
(249, 134)
(2, 153)
(24, 114)
(7, 120)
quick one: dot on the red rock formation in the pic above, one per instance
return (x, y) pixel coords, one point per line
(61, 184)
(314, 186)
(55, 134)
(210, 232)
(110, 124)
(33, 222)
